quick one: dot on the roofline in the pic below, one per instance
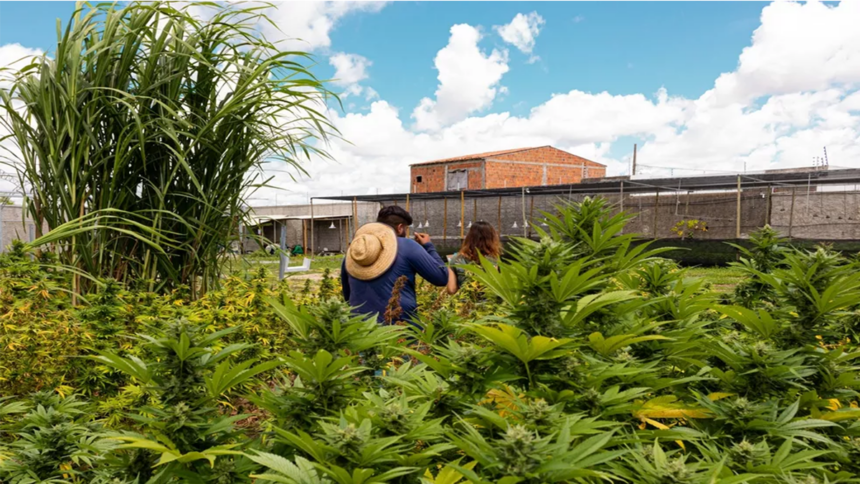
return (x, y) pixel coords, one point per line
(647, 185)
(479, 158)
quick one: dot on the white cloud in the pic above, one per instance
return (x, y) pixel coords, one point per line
(14, 57)
(522, 32)
(773, 110)
(350, 69)
(468, 80)
(306, 25)
(798, 47)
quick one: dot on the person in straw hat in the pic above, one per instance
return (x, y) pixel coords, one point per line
(379, 254)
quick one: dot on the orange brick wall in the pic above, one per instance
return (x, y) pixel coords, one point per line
(433, 176)
(501, 175)
(520, 169)
(432, 179)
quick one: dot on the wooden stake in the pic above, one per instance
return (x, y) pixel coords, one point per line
(305, 235)
(738, 216)
(791, 211)
(656, 211)
(445, 220)
(500, 216)
(475, 210)
(531, 214)
(462, 215)
(355, 214)
(769, 205)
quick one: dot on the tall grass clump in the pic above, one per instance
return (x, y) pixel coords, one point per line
(142, 134)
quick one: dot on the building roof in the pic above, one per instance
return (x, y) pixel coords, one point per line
(477, 156)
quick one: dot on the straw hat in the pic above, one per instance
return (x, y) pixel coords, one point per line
(371, 252)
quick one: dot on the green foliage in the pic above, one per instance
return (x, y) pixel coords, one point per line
(144, 131)
(579, 359)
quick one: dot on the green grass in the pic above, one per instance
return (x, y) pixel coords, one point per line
(270, 264)
(722, 279)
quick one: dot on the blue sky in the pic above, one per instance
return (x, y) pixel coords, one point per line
(707, 86)
(621, 48)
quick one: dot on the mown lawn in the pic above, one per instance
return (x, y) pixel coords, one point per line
(722, 279)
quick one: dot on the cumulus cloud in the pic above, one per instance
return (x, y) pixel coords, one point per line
(522, 32)
(798, 47)
(468, 80)
(350, 70)
(306, 25)
(14, 57)
(795, 90)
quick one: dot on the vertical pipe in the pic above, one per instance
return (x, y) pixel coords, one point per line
(445, 221)
(656, 211)
(312, 229)
(462, 215)
(791, 211)
(475, 210)
(282, 265)
(738, 215)
(407, 210)
(340, 236)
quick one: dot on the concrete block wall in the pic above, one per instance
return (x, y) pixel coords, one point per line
(13, 227)
(819, 215)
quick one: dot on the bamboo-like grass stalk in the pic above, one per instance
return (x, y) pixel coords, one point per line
(141, 136)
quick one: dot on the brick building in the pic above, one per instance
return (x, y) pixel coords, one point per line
(521, 167)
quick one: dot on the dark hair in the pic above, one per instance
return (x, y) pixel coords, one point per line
(393, 215)
(483, 238)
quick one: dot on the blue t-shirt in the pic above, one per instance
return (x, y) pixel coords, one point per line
(369, 297)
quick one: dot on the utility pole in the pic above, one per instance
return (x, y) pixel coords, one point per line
(633, 172)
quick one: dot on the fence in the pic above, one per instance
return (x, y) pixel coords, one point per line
(820, 205)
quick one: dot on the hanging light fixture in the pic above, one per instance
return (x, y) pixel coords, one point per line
(420, 225)
(332, 225)
(515, 226)
(459, 224)
(426, 223)
(470, 225)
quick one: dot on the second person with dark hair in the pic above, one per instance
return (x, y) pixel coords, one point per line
(481, 239)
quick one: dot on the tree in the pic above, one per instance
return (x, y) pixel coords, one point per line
(147, 129)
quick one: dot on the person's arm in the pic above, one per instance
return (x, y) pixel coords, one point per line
(428, 263)
(452, 282)
(344, 281)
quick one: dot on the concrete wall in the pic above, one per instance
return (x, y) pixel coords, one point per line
(12, 226)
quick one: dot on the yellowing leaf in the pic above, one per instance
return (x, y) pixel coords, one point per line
(667, 407)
